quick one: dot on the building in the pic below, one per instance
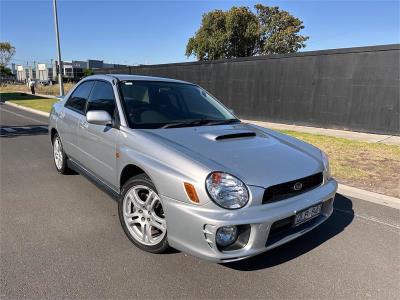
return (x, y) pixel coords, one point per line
(22, 73)
(44, 72)
(39, 72)
(94, 64)
(74, 69)
(71, 70)
(13, 69)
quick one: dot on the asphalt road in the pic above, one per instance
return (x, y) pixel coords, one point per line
(61, 238)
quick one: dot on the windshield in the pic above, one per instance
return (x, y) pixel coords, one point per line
(152, 104)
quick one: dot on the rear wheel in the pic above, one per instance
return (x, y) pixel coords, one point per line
(60, 159)
(142, 215)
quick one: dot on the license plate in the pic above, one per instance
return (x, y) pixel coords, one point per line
(307, 214)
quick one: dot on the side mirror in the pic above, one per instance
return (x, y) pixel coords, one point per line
(98, 117)
(60, 98)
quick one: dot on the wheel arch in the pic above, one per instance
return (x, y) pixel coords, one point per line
(53, 132)
(129, 171)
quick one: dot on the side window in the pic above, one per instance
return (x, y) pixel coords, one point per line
(102, 98)
(78, 99)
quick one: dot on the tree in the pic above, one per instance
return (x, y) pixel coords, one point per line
(210, 41)
(5, 71)
(87, 72)
(243, 30)
(240, 32)
(7, 51)
(279, 31)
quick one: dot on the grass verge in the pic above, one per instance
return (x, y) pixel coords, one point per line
(31, 101)
(40, 89)
(370, 166)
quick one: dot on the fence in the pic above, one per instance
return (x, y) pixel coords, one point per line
(354, 88)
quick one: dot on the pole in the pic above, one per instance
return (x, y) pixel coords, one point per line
(60, 82)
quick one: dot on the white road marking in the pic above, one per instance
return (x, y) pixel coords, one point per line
(22, 116)
(24, 128)
(368, 218)
(18, 128)
(8, 129)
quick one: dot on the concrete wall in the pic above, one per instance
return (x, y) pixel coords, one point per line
(355, 88)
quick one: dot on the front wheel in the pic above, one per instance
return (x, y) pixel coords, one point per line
(142, 215)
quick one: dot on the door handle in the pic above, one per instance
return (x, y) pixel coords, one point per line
(83, 124)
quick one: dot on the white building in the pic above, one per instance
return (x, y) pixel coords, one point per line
(44, 72)
(71, 70)
(22, 73)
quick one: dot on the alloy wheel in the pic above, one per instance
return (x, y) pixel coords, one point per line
(58, 153)
(144, 215)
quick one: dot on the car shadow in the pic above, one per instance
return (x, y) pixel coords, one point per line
(341, 217)
(16, 96)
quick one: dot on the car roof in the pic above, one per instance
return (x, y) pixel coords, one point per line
(126, 77)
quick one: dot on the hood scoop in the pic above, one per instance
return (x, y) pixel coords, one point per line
(235, 135)
(228, 134)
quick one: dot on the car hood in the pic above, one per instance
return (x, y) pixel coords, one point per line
(256, 155)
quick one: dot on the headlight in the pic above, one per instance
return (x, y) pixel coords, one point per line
(327, 170)
(226, 190)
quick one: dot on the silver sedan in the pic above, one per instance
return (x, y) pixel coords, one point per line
(186, 171)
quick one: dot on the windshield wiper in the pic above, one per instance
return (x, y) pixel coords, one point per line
(185, 124)
(200, 122)
(223, 122)
(176, 124)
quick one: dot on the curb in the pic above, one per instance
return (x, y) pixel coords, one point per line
(345, 190)
(31, 110)
(337, 133)
(369, 196)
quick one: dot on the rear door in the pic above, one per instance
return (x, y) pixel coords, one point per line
(98, 142)
(73, 110)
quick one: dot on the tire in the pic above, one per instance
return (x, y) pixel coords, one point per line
(59, 156)
(142, 216)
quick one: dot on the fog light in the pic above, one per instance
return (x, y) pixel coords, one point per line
(226, 235)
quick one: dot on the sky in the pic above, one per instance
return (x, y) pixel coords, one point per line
(153, 32)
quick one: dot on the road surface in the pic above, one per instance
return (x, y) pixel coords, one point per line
(61, 238)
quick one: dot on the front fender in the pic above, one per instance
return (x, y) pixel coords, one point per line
(166, 168)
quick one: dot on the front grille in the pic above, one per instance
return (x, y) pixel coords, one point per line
(286, 190)
(284, 228)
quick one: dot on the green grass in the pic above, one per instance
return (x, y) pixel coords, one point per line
(370, 166)
(31, 101)
(42, 105)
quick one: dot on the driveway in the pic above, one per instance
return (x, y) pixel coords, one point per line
(60, 237)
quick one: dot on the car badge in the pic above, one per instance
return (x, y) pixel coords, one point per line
(297, 186)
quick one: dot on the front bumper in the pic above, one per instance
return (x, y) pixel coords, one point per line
(192, 228)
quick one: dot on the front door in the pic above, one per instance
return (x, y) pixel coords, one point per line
(73, 111)
(98, 143)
